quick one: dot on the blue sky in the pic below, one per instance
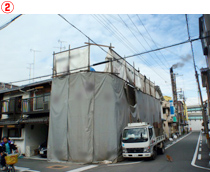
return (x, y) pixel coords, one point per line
(42, 32)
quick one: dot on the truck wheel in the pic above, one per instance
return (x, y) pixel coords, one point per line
(153, 157)
(162, 150)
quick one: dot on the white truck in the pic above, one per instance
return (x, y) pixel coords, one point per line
(139, 141)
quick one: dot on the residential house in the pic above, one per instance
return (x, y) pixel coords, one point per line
(182, 117)
(4, 86)
(25, 114)
(169, 124)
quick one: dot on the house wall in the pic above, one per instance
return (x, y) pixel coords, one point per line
(34, 136)
(167, 117)
(166, 128)
(31, 138)
(19, 141)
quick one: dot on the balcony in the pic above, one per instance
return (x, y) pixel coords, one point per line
(11, 106)
(33, 105)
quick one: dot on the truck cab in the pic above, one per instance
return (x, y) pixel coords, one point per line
(139, 141)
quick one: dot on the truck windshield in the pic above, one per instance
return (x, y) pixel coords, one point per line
(135, 135)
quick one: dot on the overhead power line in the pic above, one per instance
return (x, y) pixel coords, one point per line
(169, 46)
(8, 23)
(124, 40)
(95, 64)
(96, 43)
(147, 44)
(152, 38)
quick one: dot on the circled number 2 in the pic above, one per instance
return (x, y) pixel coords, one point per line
(7, 5)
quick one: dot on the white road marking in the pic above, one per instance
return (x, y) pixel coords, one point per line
(200, 149)
(124, 163)
(195, 155)
(31, 171)
(83, 168)
(199, 156)
(24, 169)
(169, 145)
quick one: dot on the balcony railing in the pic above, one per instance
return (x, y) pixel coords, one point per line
(37, 104)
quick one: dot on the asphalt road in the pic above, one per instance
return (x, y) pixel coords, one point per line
(182, 153)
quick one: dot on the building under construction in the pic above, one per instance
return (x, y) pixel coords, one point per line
(89, 110)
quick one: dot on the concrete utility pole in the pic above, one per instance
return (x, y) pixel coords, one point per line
(202, 106)
(34, 51)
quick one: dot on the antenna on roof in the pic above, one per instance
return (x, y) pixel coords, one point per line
(61, 47)
(29, 71)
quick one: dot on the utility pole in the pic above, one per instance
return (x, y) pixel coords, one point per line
(199, 89)
(34, 51)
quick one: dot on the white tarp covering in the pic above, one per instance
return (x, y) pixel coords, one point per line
(88, 113)
(73, 60)
(118, 66)
(122, 68)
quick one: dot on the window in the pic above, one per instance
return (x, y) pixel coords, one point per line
(135, 135)
(14, 132)
(164, 110)
(46, 97)
(150, 133)
(40, 100)
(12, 105)
(39, 103)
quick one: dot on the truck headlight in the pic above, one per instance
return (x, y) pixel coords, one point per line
(125, 150)
(147, 149)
